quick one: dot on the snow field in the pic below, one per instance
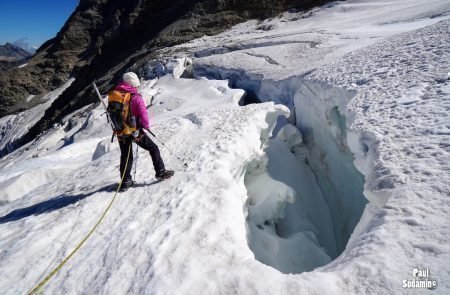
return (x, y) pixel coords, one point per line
(410, 154)
(150, 218)
(366, 84)
(392, 59)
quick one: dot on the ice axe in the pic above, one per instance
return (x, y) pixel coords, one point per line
(105, 107)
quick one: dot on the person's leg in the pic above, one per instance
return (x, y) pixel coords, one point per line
(147, 144)
(125, 146)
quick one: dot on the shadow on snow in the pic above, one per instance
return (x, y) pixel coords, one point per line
(50, 205)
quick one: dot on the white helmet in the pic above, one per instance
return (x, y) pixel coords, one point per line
(132, 79)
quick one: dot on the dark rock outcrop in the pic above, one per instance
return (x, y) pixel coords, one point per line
(103, 38)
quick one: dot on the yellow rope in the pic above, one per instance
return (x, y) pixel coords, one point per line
(58, 268)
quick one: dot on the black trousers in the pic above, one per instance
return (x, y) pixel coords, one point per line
(147, 144)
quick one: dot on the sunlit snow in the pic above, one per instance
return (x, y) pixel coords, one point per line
(336, 184)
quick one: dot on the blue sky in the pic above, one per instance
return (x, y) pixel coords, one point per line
(33, 21)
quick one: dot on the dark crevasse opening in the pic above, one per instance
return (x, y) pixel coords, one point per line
(305, 195)
(289, 223)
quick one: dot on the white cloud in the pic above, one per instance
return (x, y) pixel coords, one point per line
(24, 44)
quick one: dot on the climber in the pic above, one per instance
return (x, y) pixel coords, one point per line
(128, 111)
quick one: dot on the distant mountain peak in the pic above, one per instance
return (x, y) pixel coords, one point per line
(11, 52)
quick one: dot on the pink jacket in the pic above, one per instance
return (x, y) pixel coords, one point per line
(138, 108)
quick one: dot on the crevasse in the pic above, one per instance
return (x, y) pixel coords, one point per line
(305, 195)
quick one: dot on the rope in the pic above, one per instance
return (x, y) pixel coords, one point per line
(135, 162)
(39, 286)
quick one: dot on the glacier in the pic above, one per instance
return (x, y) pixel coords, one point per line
(337, 182)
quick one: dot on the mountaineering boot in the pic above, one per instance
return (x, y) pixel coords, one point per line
(126, 185)
(164, 174)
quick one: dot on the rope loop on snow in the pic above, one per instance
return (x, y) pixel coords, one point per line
(39, 286)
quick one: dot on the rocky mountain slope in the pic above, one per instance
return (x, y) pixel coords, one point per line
(103, 38)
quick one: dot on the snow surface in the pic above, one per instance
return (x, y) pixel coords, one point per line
(350, 200)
